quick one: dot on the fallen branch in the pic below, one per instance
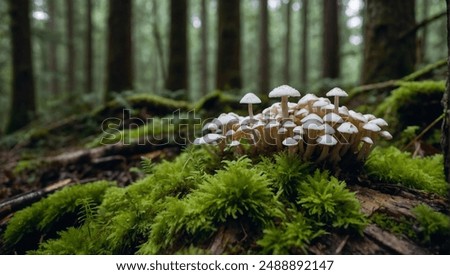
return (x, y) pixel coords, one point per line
(422, 24)
(18, 202)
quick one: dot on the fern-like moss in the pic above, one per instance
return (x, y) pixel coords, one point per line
(290, 237)
(432, 224)
(326, 199)
(51, 214)
(394, 166)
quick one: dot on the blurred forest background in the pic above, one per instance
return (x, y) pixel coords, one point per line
(86, 51)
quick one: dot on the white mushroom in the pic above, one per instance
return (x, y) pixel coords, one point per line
(307, 100)
(326, 141)
(386, 135)
(284, 92)
(336, 92)
(250, 99)
(365, 148)
(291, 144)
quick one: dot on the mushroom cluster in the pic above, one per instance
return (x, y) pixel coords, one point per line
(313, 128)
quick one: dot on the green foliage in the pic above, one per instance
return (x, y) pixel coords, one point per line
(285, 171)
(401, 226)
(45, 216)
(327, 200)
(392, 165)
(290, 237)
(432, 224)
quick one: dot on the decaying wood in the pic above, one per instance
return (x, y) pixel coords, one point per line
(15, 203)
(227, 235)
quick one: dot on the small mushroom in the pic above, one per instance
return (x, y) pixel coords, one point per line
(326, 141)
(250, 99)
(346, 130)
(386, 135)
(365, 148)
(333, 118)
(291, 144)
(284, 92)
(337, 93)
(307, 100)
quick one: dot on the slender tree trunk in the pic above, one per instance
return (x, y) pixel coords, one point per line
(386, 56)
(445, 102)
(52, 48)
(264, 56)
(204, 50)
(287, 44)
(158, 40)
(178, 65)
(229, 51)
(330, 42)
(119, 67)
(89, 49)
(422, 49)
(70, 47)
(23, 108)
(304, 42)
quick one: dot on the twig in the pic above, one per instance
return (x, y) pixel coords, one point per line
(423, 132)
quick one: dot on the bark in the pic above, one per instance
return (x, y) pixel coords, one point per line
(330, 42)
(119, 67)
(53, 58)
(23, 107)
(287, 43)
(264, 55)
(229, 49)
(205, 52)
(89, 49)
(158, 40)
(70, 47)
(177, 73)
(304, 44)
(385, 57)
(445, 142)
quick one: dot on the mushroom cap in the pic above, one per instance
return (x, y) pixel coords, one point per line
(199, 141)
(379, 121)
(326, 139)
(230, 133)
(312, 116)
(370, 116)
(289, 124)
(302, 112)
(298, 130)
(320, 103)
(386, 135)
(250, 98)
(347, 128)
(289, 142)
(332, 117)
(297, 137)
(328, 129)
(314, 126)
(336, 91)
(272, 123)
(367, 140)
(282, 130)
(371, 127)
(343, 111)
(284, 90)
(328, 107)
(307, 98)
(225, 119)
(234, 143)
(357, 116)
(209, 138)
(307, 124)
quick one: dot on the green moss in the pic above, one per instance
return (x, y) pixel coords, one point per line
(401, 226)
(394, 166)
(27, 166)
(432, 224)
(50, 214)
(291, 236)
(327, 200)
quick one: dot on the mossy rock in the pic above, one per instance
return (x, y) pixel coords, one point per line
(413, 103)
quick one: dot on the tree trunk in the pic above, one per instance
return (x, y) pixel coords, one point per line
(89, 50)
(445, 102)
(23, 107)
(157, 39)
(204, 56)
(330, 42)
(304, 42)
(287, 44)
(177, 73)
(422, 47)
(70, 47)
(119, 68)
(385, 55)
(229, 46)
(53, 58)
(263, 73)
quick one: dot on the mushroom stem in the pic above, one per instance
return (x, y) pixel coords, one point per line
(250, 111)
(363, 153)
(336, 104)
(284, 106)
(308, 152)
(323, 154)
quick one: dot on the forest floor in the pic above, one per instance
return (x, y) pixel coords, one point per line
(58, 157)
